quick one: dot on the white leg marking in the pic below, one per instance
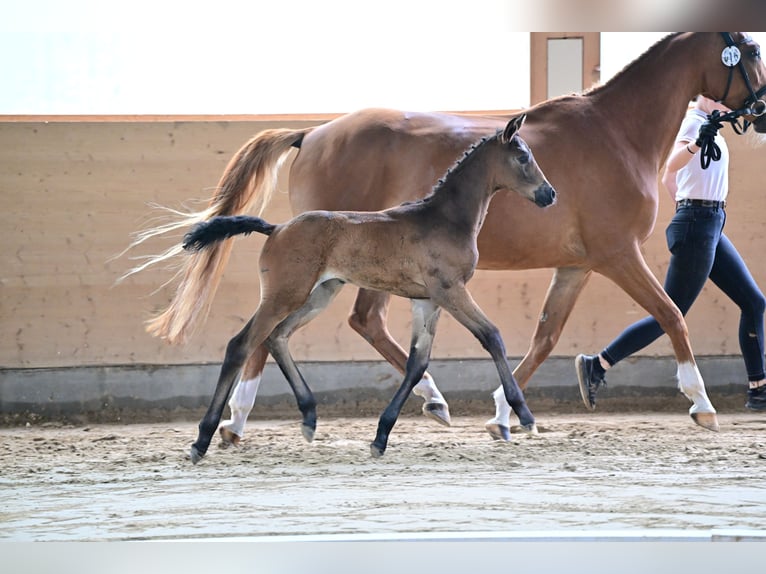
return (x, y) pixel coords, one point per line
(690, 384)
(502, 408)
(426, 388)
(241, 403)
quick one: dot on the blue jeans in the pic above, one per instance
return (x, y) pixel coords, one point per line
(699, 249)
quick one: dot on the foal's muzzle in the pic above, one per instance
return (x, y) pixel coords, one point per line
(545, 195)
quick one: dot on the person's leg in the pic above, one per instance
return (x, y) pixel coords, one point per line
(731, 275)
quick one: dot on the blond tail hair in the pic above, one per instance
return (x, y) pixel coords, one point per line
(247, 183)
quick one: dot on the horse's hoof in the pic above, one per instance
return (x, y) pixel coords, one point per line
(308, 433)
(195, 455)
(707, 421)
(438, 412)
(228, 437)
(530, 429)
(376, 451)
(498, 431)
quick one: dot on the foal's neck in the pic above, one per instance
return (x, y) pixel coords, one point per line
(462, 199)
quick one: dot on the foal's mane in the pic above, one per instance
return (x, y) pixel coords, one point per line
(461, 162)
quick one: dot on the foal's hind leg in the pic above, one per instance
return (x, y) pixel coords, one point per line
(277, 344)
(369, 320)
(240, 347)
(243, 397)
(425, 315)
(566, 286)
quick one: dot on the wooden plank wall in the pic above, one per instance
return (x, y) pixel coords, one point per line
(71, 193)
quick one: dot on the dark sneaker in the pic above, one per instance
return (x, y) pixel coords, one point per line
(590, 379)
(756, 399)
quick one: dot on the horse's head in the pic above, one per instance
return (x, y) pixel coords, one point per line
(518, 169)
(737, 76)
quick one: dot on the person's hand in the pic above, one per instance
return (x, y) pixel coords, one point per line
(708, 129)
(709, 150)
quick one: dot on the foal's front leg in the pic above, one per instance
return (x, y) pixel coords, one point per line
(566, 285)
(425, 315)
(460, 304)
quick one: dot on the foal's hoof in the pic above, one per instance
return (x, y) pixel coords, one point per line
(376, 451)
(195, 455)
(438, 412)
(498, 431)
(228, 437)
(308, 433)
(707, 421)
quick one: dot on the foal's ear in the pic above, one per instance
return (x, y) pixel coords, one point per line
(513, 126)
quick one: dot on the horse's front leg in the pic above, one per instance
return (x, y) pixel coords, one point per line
(461, 305)
(566, 285)
(425, 316)
(243, 398)
(634, 276)
(368, 318)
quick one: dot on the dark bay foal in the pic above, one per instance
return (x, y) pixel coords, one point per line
(424, 250)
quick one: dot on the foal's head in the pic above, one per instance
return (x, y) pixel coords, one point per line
(516, 168)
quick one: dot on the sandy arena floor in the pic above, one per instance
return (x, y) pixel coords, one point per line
(590, 471)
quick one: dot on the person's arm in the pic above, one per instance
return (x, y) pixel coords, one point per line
(669, 181)
(682, 153)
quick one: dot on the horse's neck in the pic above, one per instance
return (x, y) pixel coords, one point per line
(646, 101)
(463, 199)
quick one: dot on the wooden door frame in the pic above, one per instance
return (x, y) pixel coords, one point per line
(539, 61)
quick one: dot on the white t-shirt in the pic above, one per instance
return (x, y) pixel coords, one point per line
(693, 181)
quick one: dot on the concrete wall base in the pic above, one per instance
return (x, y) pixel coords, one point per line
(148, 393)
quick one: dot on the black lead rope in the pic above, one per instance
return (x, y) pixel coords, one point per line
(706, 140)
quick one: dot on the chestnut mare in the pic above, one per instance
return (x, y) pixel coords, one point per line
(602, 150)
(424, 250)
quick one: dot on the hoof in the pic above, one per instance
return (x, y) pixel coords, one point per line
(498, 431)
(707, 421)
(376, 451)
(195, 455)
(228, 437)
(530, 429)
(308, 433)
(438, 412)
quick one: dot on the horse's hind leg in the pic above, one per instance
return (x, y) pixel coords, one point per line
(277, 344)
(368, 318)
(240, 347)
(425, 315)
(566, 286)
(243, 397)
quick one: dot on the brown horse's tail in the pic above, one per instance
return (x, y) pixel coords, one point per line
(248, 182)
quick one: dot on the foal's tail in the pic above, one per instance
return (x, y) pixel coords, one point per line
(248, 182)
(222, 227)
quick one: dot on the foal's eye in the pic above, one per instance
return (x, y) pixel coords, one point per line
(523, 159)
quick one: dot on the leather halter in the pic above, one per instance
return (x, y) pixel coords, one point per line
(754, 105)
